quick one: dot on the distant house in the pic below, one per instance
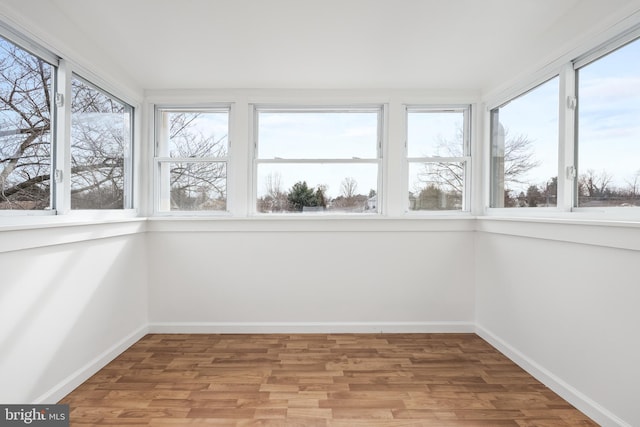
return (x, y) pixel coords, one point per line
(372, 203)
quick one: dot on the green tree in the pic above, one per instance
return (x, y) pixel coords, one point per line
(300, 195)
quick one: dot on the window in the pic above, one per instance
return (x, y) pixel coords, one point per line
(438, 158)
(524, 149)
(318, 160)
(191, 159)
(25, 129)
(101, 129)
(608, 142)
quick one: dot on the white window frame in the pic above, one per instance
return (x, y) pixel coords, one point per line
(60, 201)
(128, 154)
(54, 61)
(158, 188)
(565, 151)
(566, 68)
(379, 109)
(632, 35)
(465, 109)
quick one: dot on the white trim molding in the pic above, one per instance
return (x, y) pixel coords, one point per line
(611, 234)
(309, 327)
(74, 380)
(54, 232)
(582, 402)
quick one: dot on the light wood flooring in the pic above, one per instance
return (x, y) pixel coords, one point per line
(334, 380)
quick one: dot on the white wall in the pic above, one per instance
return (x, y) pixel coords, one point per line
(67, 306)
(565, 305)
(558, 297)
(306, 276)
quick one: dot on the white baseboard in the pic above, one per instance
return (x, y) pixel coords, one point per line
(67, 385)
(589, 407)
(310, 327)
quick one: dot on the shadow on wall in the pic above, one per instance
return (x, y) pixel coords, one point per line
(62, 306)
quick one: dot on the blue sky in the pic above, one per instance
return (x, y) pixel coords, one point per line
(609, 120)
(535, 116)
(609, 117)
(429, 132)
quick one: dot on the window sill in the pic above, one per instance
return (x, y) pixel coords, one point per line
(19, 233)
(569, 227)
(35, 232)
(606, 214)
(29, 221)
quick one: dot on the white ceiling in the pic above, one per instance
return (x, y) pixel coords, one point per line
(452, 44)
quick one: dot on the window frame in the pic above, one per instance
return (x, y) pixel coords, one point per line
(566, 68)
(27, 45)
(379, 109)
(157, 160)
(599, 52)
(465, 159)
(63, 71)
(128, 152)
(565, 108)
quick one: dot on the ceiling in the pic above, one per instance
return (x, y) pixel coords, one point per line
(431, 44)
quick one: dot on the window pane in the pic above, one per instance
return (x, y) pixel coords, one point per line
(100, 147)
(25, 129)
(318, 135)
(196, 186)
(436, 186)
(609, 130)
(435, 133)
(187, 185)
(298, 187)
(194, 134)
(524, 149)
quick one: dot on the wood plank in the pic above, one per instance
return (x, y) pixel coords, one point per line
(323, 380)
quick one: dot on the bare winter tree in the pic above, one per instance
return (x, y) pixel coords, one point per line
(593, 184)
(275, 199)
(519, 158)
(448, 176)
(273, 184)
(349, 187)
(98, 137)
(633, 186)
(196, 185)
(349, 199)
(25, 129)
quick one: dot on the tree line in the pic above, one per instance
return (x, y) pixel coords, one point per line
(302, 198)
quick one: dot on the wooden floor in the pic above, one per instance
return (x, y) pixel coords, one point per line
(351, 380)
